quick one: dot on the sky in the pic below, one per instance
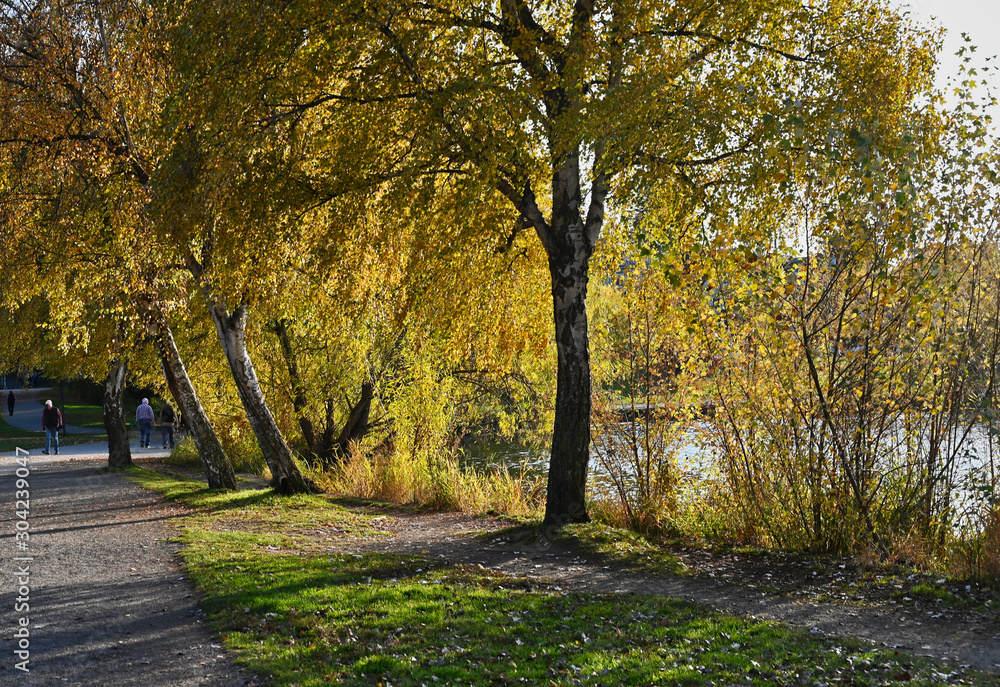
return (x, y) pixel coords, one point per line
(978, 18)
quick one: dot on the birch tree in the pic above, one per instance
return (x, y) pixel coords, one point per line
(555, 106)
(79, 85)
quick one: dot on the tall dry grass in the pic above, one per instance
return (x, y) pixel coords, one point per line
(436, 480)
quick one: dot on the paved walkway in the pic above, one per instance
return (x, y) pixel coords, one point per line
(28, 416)
(109, 604)
(28, 411)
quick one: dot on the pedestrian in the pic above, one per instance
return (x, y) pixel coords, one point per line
(168, 423)
(144, 417)
(10, 402)
(51, 424)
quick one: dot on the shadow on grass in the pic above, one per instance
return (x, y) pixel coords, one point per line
(196, 494)
(333, 617)
(349, 618)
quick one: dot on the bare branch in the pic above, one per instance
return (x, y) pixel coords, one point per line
(809, 58)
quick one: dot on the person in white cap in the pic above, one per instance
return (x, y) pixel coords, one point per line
(144, 417)
(51, 424)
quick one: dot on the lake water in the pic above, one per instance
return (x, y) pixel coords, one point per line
(696, 459)
(692, 458)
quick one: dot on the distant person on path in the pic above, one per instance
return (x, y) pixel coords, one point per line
(144, 417)
(168, 422)
(10, 402)
(51, 423)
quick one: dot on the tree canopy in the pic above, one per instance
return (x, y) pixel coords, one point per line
(339, 182)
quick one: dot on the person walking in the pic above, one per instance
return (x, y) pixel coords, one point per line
(51, 424)
(10, 402)
(168, 423)
(144, 417)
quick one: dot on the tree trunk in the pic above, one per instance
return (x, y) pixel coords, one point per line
(569, 242)
(174, 388)
(357, 422)
(567, 483)
(218, 468)
(285, 475)
(115, 423)
(299, 403)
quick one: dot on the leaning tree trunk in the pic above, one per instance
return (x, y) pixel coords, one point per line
(115, 422)
(356, 425)
(285, 475)
(174, 388)
(218, 467)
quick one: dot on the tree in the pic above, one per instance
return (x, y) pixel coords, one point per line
(74, 79)
(552, 105)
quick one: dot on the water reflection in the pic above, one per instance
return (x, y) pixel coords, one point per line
(967, 463)
(485, 455)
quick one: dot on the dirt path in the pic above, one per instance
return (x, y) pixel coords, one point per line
(109, 605)
(968, 638)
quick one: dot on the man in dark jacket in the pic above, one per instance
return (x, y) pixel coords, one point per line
(168, 422)
(51, 424)
(10, 402)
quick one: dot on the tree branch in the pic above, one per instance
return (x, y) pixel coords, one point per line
(687, 33)
(528, 207)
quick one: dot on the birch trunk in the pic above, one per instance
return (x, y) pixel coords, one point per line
(218, 468)
(569, 242)
(115, 422)
(231, 328)
(567, 480)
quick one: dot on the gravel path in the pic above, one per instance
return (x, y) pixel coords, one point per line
(109, 605)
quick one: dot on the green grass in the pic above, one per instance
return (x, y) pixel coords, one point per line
(621, 545)
(184, 454)
(291, 607)
(84, 415)
(931, 592)
(14, 437)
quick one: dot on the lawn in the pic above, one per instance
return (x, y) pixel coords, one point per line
(308, 613)
(84, 415)
(14, 437)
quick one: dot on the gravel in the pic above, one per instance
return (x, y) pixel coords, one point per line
(109, 603)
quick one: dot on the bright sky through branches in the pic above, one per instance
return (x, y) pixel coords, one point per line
(980, 19)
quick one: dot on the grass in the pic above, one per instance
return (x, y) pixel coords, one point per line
(932, 592)
(620, 545)
(291, 606)
(437, 482)
(13, 437)
(80, 415)
(185, 454)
